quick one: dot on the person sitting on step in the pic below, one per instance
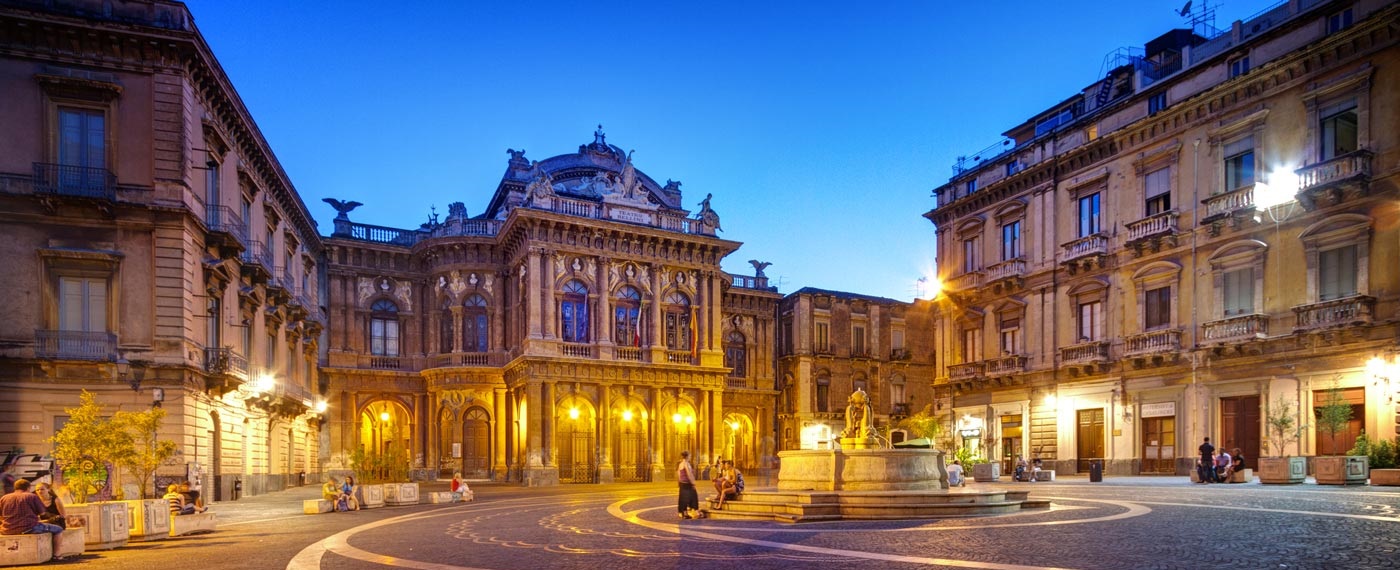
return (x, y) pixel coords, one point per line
(733, 483)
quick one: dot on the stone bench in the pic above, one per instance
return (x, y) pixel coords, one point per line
(441, 497)
(1242, 476)
(1045, 475)
(181, 525)
(317, 506)
(25, 549)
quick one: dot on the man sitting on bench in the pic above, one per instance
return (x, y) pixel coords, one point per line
(20, 512)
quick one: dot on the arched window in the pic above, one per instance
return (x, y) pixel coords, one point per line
(678, 333)
(475, 330)
(627, 317)
(445, 328)
(384, 328)
(573, 312)
(735, 356)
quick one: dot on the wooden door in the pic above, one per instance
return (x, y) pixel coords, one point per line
(476, 445)
(1159, 445)
(1240, 427)
(1345, 438)
(1090, 444)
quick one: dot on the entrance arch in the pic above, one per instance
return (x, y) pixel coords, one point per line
(739, 441)
(577, 442)
(679, 434)
(476, 443)
(630, 446)
(386, 427)
(449, 441)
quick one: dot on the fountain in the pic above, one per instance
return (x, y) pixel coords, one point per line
(863, 478)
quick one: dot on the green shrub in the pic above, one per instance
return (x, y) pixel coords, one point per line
(1381, 453)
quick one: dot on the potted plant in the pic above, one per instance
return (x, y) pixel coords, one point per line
(149, 514)
(384, 478)
(1332, 417)
(83, 449)
(1280, 469)
(1381, 457)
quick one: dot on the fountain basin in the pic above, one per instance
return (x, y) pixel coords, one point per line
(862, 470)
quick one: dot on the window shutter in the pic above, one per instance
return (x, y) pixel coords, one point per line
(1239, 146)
(1157, 183)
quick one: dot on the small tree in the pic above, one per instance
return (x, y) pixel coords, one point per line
(922, 424)
(1283, 425)
(147, 452)
(83, 447)
(1333, 415)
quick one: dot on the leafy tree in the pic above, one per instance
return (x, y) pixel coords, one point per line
(1283, 425)
(147, 452)
(84, 445)
(922, 424)
(1333, 415)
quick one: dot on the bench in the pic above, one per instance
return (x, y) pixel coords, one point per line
(316, 506)
(1045, 475)
(25, 549)
(71, 543)
(1242, 476)
(440, 497)
(149, 518)
(181, 525)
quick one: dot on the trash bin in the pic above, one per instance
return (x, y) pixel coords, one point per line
(237, 488)
(301, 479)
(1096, 471)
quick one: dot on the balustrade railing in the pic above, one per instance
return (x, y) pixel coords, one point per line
(75, 345)
(575, 207)
(1007, 269)
(630, 353)
(1152, 342)
(225, 361)
(465, 359)
(966, 281)
(1345, 311)
(965, 371)
(383, 234)
(1229, 202)
(577, 350)
(1352, 165)
(223, 219)
(386, 362)
(1152, 226)
(79, 181)
(1096, 244)
(1096, 351)
(677, 223)
(1012, 364)
(736, 382)
(679, 357)
(1235, 329)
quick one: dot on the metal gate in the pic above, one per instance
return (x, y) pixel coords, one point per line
(576, 458)
(633, 458)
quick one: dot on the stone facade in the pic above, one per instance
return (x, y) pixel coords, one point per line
(1208, 232)
(152, 244)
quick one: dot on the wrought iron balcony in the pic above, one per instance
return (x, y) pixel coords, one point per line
(1085, 353)
(75, 345)
(1153, 342)
(1236, 329)
(223, 220)
(861, 352)
(899, 354)
(1353, 166)
(965, 371)
(899, 409)
(1006, 365)
(76, 181)
(1347, 311)
(257, 260)
(225, 361)
(1223, 205)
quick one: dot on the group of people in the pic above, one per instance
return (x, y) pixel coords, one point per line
(25, 512)
(1215, 467)
(1026, 472)
(183, 500)
(728, 482)
(341, 493)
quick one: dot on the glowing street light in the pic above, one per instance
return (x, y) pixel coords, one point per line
(264, 383)
(626, 415)
(320, 407)
(383, 416)
(573, 413)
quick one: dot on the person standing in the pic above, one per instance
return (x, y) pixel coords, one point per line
(688, 500)
(1206, 468)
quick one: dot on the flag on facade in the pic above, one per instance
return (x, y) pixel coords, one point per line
(693, 344)
(637, 331)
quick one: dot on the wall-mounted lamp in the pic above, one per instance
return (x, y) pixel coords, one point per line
(157, 396)
(573, 413)
(320, 407)
(626, 415)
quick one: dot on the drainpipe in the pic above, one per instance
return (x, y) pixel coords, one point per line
(1195, 277)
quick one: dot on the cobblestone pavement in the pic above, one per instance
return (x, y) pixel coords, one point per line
(1127, 522)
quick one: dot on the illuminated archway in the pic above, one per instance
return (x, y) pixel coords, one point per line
(386, 427)
(577, 443)
(739, 441)
(631, 448)
(678, 433)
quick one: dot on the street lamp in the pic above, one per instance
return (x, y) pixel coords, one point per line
(1385, 372)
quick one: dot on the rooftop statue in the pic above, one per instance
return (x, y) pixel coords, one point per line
(342, 208)
(759, 266)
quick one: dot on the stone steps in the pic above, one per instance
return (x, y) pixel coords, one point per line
(809, 506)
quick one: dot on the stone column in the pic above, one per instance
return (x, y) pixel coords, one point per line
(605, 465)
(716, 329)
(657, 328)
(717, 427)
(498, 435)
(432, 458)
(535, 473)
(658, 465)
(704, 439)
(498, 313)
(531, 297)
(548, 296)
(701, 313)
(604, 305)
(457, 341)
(548, 440)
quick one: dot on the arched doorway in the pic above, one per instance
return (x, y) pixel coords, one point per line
(678, 434)
(576, 444)
(476, 444)
(739, 442)
(631, 447)
(386, 427)
(450, 441)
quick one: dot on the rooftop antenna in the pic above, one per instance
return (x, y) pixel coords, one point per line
(1201, 18)
(781, 279)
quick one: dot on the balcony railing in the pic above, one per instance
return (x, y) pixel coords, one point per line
(379, 234)
(575, 207)
(736, 382)
(679, 357)
(1154, 342)
(1007, 269)
(678, 224)
(861, 352)
(1005, 365)
(1354, 165)
(465, 359)
(578, 350)
(901, 354)
(1355, 310)
(79, 181)
(1153, 226)
(1096, 244)
(965, 371)
(222, 219)
(631, 353)
(387, 362)
(1228, 203)
(1236, 329)
(296, 393)
(258, 253)
(965, 282)
(75, 345)
(1085, 352)
(899, 409)
(225, 361)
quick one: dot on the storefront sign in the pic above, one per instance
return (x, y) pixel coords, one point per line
(971, 433)
(1158, 409)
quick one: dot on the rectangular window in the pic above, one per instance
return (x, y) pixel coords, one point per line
(823, 395)
(897, 393)
(897, 339)
(213, 334)
(1338, 130)
(972, 345)
(1339, 21)
(82, 137)
(82, 304)
(971, 186)
(1090, 315)
(271, 354)
(1239, 164)
(1010, 336)
(1158, 191)
(1089, 215)
(246, 346)
(1239, 66)
(972, 261)
(1337, 272)
(858, 340)
(211, 185)
(1011, 241)
(1157, 308)
(384, 337)
(823, 337)
(246, 210)
(1156, 103)
(1239, 292)
(1092, 133)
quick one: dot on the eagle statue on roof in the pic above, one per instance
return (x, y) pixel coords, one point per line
(342, 208)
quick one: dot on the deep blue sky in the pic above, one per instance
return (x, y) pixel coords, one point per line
(819, 127)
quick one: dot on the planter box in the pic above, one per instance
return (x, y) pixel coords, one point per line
(398, 494)
(1344, 470)
(181, 525)
(1385, 477)
(317, 506)
(370, 496)
(984, 472)
(150, 519)
(106, 524)
(1282, 470)
(443, 497)
(71, 543)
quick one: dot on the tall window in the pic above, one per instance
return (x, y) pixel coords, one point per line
(1336, 273)
(972, 260)
(858, 347)
(1157, 308)
(384, 328)
(213, 333)
(972, 344)
(1011, 241)
(573, 312)
(212, 199)
(1090, 315)
(897, 339)
(823, 340)
(1156, 103)
(82, 304)
(897, 392)
(82, 137)
(971, 185)
(476, 333)
(677, 321)
(1239, 291)
(446, 326)
(1158, 191)
(823, 393)
(1089, 215)
(1239, 164)
(627, 317)
(246, 209)
(1010, 335)
(1339, 133)
(735, 355)
(271, 350)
